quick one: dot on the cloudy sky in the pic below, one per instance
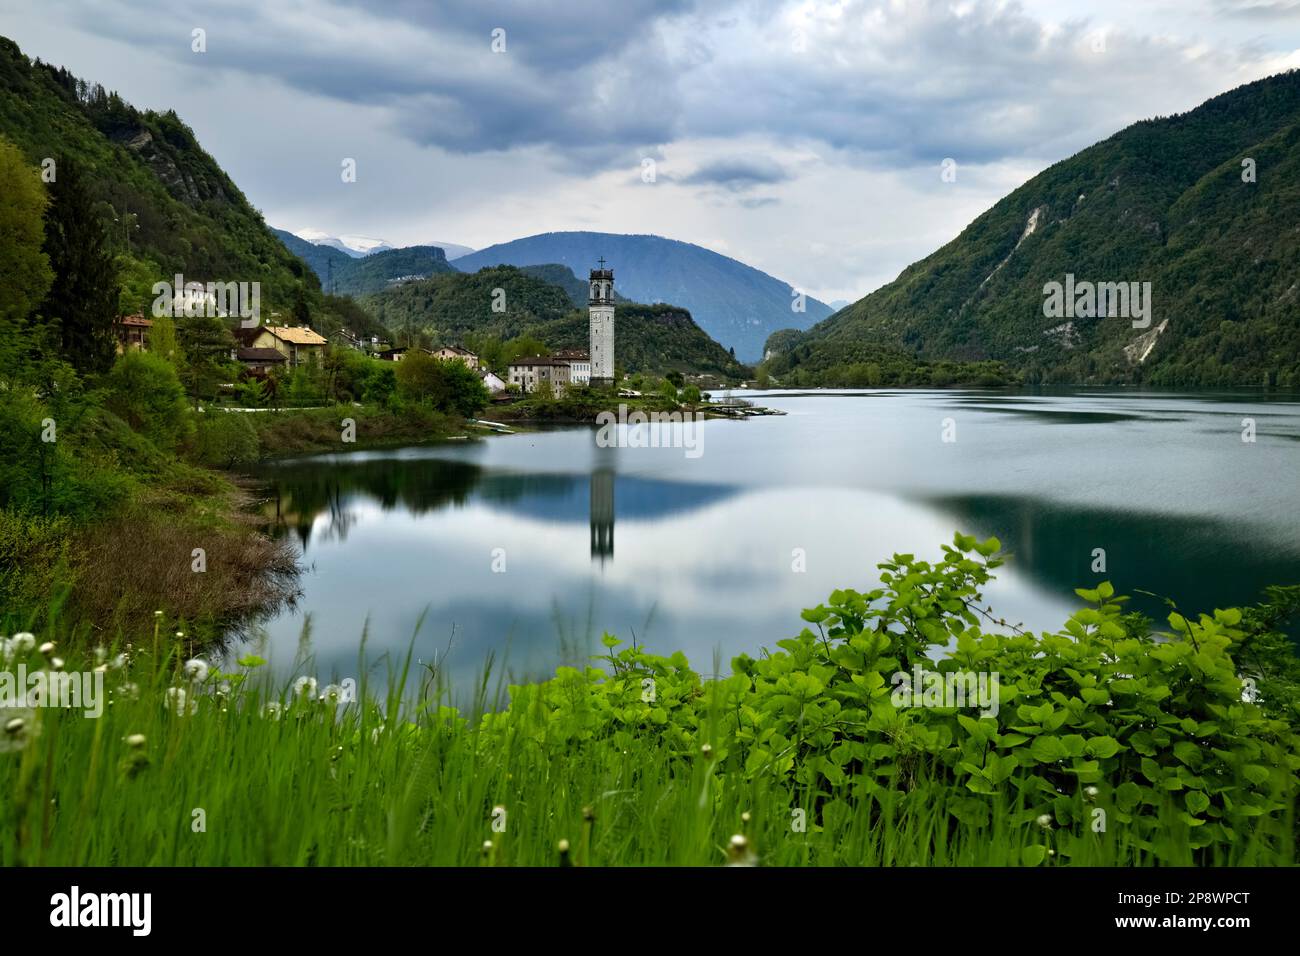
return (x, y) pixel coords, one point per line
(805, 138)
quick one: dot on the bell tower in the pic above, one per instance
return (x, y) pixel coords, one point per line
(600, 304)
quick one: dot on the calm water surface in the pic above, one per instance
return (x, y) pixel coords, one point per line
(698, 553)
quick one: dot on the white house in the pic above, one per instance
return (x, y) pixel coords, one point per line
(579, 365)
(529, 373)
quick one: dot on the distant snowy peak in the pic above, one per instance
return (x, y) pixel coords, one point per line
(355, 246)
(360, 246)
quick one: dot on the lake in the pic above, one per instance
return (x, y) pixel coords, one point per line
(528, 547)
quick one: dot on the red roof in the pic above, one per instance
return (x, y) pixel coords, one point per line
(136, 320)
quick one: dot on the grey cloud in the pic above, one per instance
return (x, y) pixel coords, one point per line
(1260, 9)
(594, 83)
(738, 174)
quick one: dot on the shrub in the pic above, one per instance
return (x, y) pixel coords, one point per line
(1149, 729)
(33, 558)
(145, 392)
(226, 440)
(380, 383)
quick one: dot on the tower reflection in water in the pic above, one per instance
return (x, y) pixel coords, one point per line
(602, 515)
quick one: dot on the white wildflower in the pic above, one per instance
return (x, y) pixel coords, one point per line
(178, 701)
(18, 725)
(304, 687)
(196, 670)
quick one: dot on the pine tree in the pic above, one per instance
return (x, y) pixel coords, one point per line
(205, 344)
(82, 302)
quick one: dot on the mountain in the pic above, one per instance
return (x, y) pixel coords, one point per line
(454, 250)
(736, 304)
(1200, 205)
(321, 258)
(556, 274)
(379, 270)
(168, 206)
(649, 338)
(360, 246)
(448, 308)
(343, 274)
(355, 246)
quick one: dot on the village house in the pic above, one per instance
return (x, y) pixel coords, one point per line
(579, 365)
(494, 383)
(299, 346)
(132, 333)
(392, 355)
(347, 340)
(529, 373)
(456, 353)
(261, 362)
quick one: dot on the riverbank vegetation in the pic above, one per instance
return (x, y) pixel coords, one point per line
(111, 506)
(1108, 744)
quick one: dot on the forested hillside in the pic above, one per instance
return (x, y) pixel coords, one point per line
(450, 308)
(168, 207)
(1205, 206)
(736, 304)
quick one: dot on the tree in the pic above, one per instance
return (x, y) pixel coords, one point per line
(449, 386)
(162, 339)
(491, 351)
(82, 301)
(205, 346)
(520, 346)
(143, 391)
(380, 383)
(25, 273)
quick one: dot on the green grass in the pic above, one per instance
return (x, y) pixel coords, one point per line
(355, 788)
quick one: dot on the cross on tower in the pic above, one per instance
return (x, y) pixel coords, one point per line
(601, 260)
